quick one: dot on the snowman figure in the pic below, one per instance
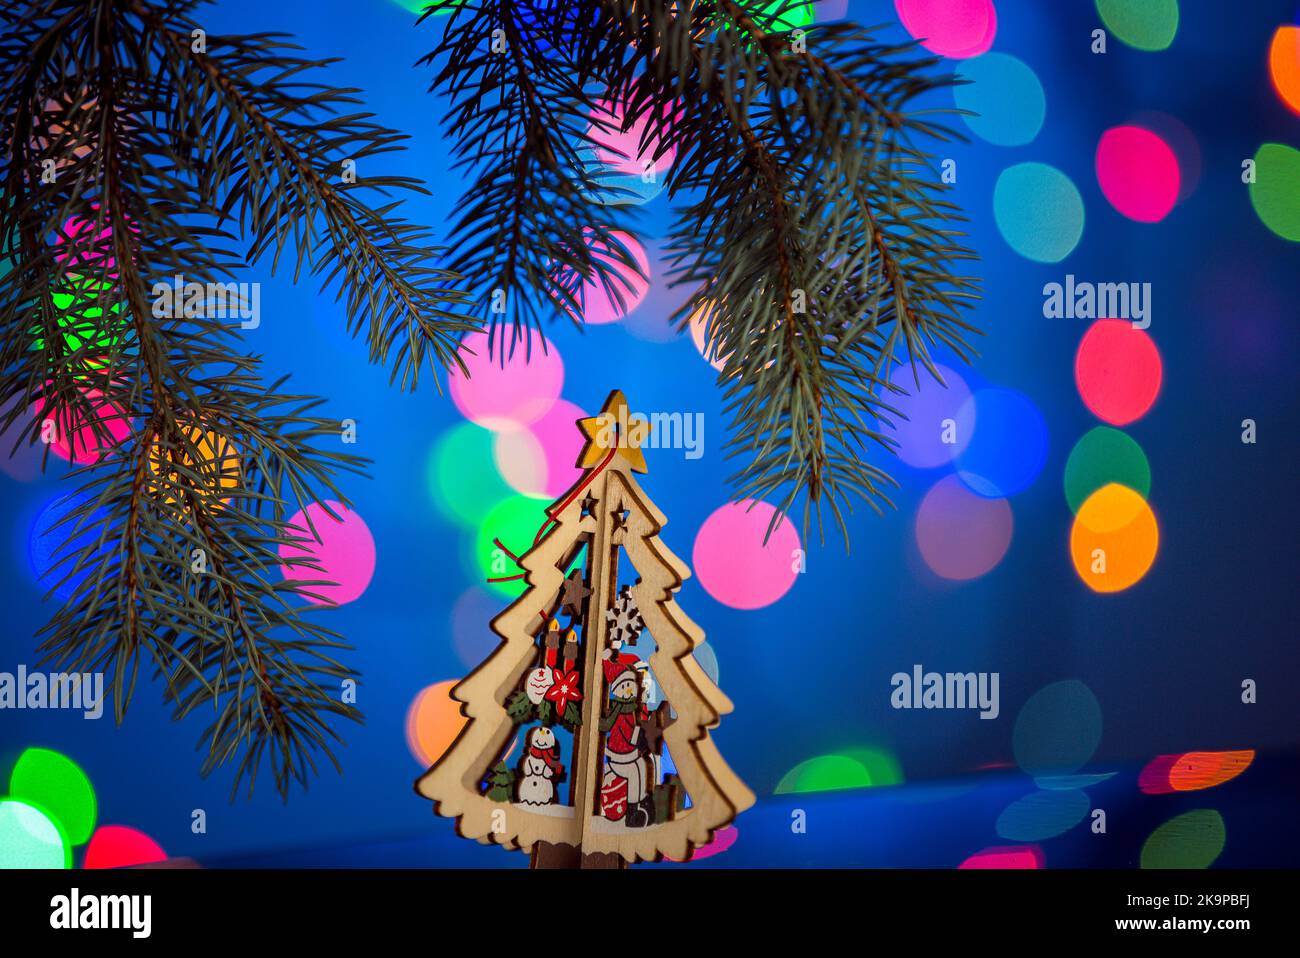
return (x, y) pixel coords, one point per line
(539, 769)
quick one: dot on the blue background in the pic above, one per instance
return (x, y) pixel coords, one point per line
(809, 675)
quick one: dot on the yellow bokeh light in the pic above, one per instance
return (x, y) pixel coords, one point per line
(217, 466)
(1114, 539)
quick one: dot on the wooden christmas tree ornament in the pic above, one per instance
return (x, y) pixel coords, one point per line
(617, 765)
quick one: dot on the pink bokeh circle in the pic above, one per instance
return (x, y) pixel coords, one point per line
(345, 552)
(539, 459)
(1138, 173)
(118, 846)
(961, 535)
(508, 396)
(1006, 856)
(722, 839)
(600, 305)
(950, 28)
(621, 150)
(73, 438)
(1118, 370)
(91, 251)
(733, 564)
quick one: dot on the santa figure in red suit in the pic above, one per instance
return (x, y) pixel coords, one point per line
(626, 789)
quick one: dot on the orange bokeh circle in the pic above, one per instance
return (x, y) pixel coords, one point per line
(1114, 539)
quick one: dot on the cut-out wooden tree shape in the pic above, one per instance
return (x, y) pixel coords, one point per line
(591, 786)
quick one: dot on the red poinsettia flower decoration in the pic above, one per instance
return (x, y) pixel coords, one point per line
(565, 689)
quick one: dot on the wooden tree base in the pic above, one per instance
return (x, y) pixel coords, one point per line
(549, 855)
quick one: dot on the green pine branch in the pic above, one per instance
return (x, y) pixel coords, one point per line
(184, 153)
(811, 224)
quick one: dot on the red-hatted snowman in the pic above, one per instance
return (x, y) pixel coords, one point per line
(626, 789)
(539, 768)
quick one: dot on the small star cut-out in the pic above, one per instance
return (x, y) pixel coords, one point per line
(620, 518)
(588, 505)
(575, 590)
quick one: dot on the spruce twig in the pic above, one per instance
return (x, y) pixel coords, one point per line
(135, 148)
(811, 225)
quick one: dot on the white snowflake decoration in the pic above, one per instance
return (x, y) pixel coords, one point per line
(624, 618)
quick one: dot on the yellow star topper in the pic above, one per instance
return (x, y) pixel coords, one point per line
(614, 424)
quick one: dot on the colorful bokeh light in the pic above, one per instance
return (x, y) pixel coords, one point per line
(91, 253)
(53, 544)
(722, 839)
(937, 422)
(1114, 539)
(215, 463)
(53, 782)
(1143, 24)
(81, 318)
(610, 299)
(950, 28)
(782, 15)
(1138, 173)
(1192, 771)
(342, 548)
(960, 535)
(1154, 777)
(1006, 856)
(613, 188)
(1101, 456)
(698, 324)
(521, 460)
(515, 521)
(1057, 729)
(31, 838)
(538, 460)
(1118, 371)
(1284, 65)
(1043, 814)
(1039, 211)
(1275, 193)
(733, 564)
(629, 151)
(825, 773)
(83, 432)
(1009, 445)
(462, 475)
(432, 722)
(1191, 840)
(1006, 97)
(117, 846)
(507, 389)
(882, 766)
(1179, 138)
(1199, 770)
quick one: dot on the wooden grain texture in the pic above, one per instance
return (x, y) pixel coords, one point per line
(717, 795)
